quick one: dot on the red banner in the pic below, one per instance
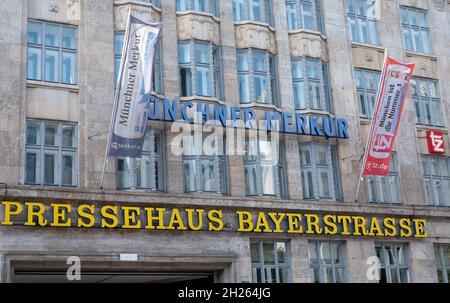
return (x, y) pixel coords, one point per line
(386, 118)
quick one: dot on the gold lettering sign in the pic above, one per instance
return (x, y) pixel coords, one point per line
(86, 216)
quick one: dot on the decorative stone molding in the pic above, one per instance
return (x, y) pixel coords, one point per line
(147, 13)
(308, 44)
(254, 35)
(426, 66)
(368, 56)
(200, 26)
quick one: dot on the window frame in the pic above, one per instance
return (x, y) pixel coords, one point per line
(270, 74)
(211, 6)
(265, 11)
(409, 27)
(220, 166)
(42, 149)
(322, 81)
(43, 48)
(154, 157)
(320, 265)
(314, 168)
(432, 178)
(384, 261)
(279, 169)
(299, 18)
(262, 266)
(422, 102)
(366, 110)
(214, 66)
(441, 265)
(358, 18)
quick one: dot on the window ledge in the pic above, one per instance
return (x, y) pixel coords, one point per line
(251, 22)
(134, 2)
(365, 121)
(424, 55)
(307, 31)
(263, 106)
(315, 111)
(199, 13)
(58, 86)
(421, 127)
(367, 45)
(202, 98)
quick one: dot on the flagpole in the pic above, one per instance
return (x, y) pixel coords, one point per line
(125, 46)
(366, 151)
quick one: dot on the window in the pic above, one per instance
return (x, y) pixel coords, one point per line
(367, 83)
(52, 52)
(254, 10)
(318, 163)
(427, 101)
(311, 84)
(148, 171)
(363, 28)
(327, 262)
(257, 77)
(264, 168)
(209, 6)
(157, 65)
(270, 262)
(382, 189)
(305, 14)
(394, 263)
(200, 69)
(51, 153)
(416, 33)
(437, 180)
(442, 252)
(204, 171)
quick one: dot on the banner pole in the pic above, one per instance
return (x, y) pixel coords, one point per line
(125, 46)
(361, 177)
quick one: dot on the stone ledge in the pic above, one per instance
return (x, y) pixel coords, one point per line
(24, 192)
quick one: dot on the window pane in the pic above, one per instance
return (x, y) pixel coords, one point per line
(291, 16)
(281, 249)
(69, 37)
(51, 131)
(324, 251)
(118, 43)
(269, 253)
(34, 63)
(186, 82)
(69, 68)
(268, 179)
(255, 10)
(34, 32)
(203, 81)
(189, 176)
(52, 35)
(244, 93)
(250, 180)
(259, 62)
(254, 251)
(260, 88)
(184, 53)
(51, 65)
(49, 169)
(69, 136)
(208, 175)
(68, 166)
(32, 168)
(34, 133)
(202, 54)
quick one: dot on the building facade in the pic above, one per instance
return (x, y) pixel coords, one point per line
(58, 71)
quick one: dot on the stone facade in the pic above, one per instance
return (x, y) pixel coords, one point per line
(89, 104)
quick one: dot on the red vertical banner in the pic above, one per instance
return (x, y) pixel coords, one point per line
(386, 117)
